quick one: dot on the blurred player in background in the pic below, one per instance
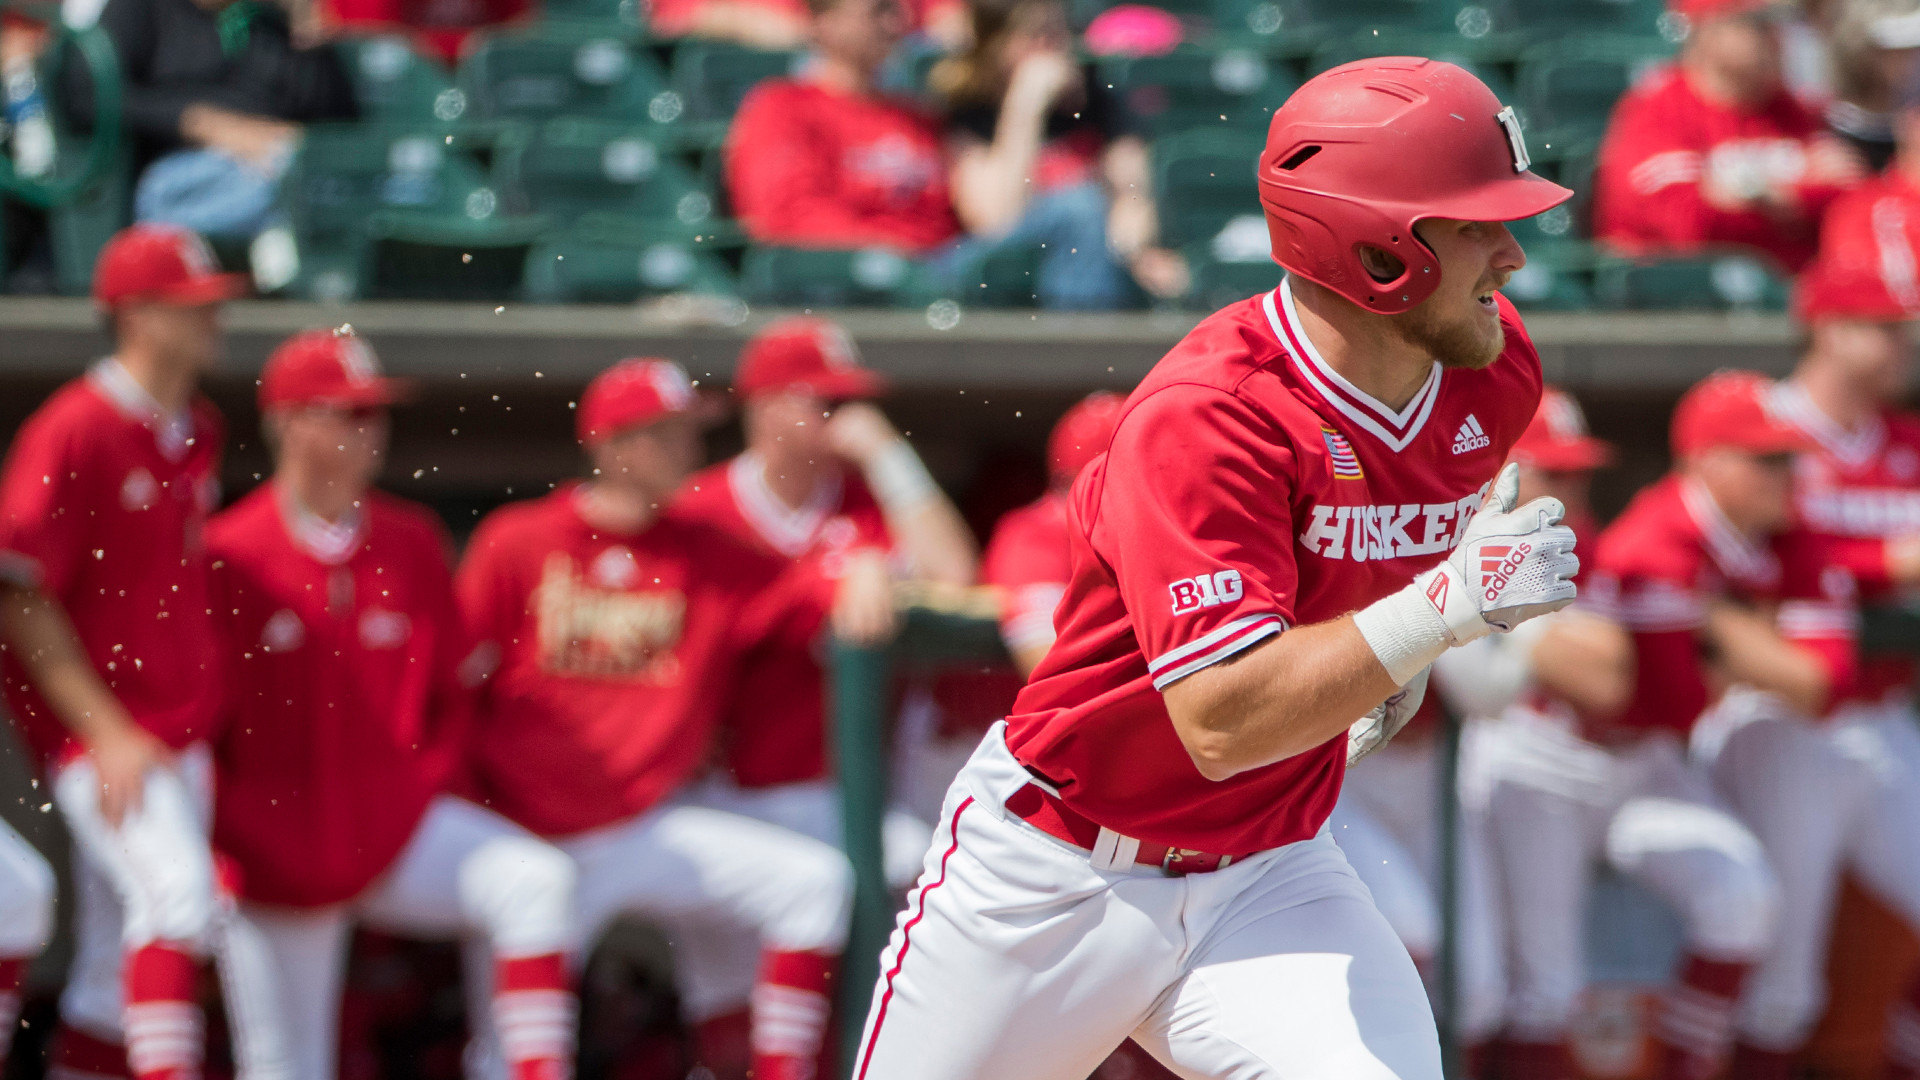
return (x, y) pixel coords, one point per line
(621, 625)
(112, 668)
(27, 885)
(1385, 820)
(827, 484)
(350, 684)
(1594, 764)
(1835, 784)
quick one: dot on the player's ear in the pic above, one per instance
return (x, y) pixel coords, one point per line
(1380, 264)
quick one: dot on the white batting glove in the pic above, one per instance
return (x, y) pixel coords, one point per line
(1374, 730)
(1512, 565)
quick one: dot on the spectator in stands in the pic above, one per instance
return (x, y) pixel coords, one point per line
(1873, 46)
(1041, 151)
(215, 92)
(1714, 151)
(762, 24)
(438, 27)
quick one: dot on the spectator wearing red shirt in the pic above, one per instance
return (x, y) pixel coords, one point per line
(622, 627)
(350, 681)
(439, 27)
(112, 669)
(1714, 150)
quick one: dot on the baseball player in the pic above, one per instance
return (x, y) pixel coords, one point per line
(621, 624)
(349, 693)
(1280, 538)
(1838, 786)
(1585, 770)
(112, 669)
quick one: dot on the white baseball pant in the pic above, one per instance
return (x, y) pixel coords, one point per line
(1821, 796)
(715, 963)
(151, 879)
(26, 918)
(1557, 803)
(1017, 959)
(466, 872)
(1387, 823)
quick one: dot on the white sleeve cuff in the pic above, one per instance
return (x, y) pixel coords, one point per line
(1176, 664)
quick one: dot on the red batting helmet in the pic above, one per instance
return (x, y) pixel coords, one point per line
(1363, 151)
(1082, 434)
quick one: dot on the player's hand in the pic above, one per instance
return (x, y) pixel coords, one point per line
(1835, 162)
(863, 611)
(1039, 80)
(122, 756)
(859, 432)
(1377, 728)
(1513, 564)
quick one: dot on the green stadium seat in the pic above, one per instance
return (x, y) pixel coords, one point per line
(1192, 89)
(1219, 282)
(1481, 56)
(1297, 27)
(612, 262)
(1203, 180)
(395, 84)
(1727, 282)
(1558, 276)
(624, 18)
(1549, 19)
(1566, 91)
(567, 72)
(804, 277)
(570, 167)
(712, 78)
(420, 191)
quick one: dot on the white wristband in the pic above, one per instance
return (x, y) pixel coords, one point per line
(899, 479)
(1405, 631)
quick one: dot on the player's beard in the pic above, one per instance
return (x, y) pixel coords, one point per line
(1456, 343)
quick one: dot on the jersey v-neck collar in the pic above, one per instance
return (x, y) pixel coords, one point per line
(1394, 429)
(1738, 557)
(1853, 449)
(172, 434)
(332, 543)
(791, 532)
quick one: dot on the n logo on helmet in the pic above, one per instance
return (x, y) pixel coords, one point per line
(1517, 141)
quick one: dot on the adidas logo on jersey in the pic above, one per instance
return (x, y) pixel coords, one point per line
(1470, 436)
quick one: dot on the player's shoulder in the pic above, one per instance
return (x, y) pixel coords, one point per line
(405, 521)
(1659, 87)
(525, 522)
(73, 411)
(1653, 538)
(1903, 427)
(720, 554)
(1229, 364)
(1221, 352)
(1044, 515)
(245, 528)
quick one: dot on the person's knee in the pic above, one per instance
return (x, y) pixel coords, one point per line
(1780, 1014)
(818, 892)
(1734, 913)
(521, 891)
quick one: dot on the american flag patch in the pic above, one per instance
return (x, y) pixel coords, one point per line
(1345, 465)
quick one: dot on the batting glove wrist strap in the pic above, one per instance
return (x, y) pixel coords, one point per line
(1406, 631)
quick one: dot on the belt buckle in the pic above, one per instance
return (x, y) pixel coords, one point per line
(1204, 863)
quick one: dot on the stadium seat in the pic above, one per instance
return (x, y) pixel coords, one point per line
(1566, 91)
(1203, 180)
(625, 18)
(804, 277)
(600, 260)
(567, 168)
(1297, 27)
(1549, 19)
(1191, 89)
(1218, 282)
(1726, 282)
(712, 78)
(354, 186)
(1482, 56)
(395, 84)
(565, 72)
(1558, 276)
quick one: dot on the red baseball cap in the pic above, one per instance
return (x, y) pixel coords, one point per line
(327, 367)
(1862, 271)
(1557, 439)
(807, 354)
(162, 263)
(632, 393)
(1729, 408)
(1697, 10)
(1082, 434)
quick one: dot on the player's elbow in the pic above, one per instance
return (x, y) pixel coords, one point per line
(1213, 756)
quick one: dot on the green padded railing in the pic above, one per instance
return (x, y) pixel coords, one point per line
(71, 181)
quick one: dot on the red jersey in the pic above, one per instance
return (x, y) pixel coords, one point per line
(103, 506)
(1249, 487)
(346, 711)
(440, 27)
(618, 655)
(1668, 555)
(811, 167)
(775, 731)
(1858, 490)
(1663, 145)
(1030, 559)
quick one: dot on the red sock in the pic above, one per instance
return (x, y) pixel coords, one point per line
(791, 1006)
(721, 1044)
(1695, 1025)
(1903, 1035)
(76, 1055)
(166, 1033)
(1509, 1059)
(537, 1016)
(1752, 1063)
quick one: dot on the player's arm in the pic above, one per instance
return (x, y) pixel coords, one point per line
(1587, 661)
(1751, 651)
(926, 527)
(43, 639)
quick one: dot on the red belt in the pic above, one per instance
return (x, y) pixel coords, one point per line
(1047, 813)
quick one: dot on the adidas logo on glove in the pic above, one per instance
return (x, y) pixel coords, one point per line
(1470, 436)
